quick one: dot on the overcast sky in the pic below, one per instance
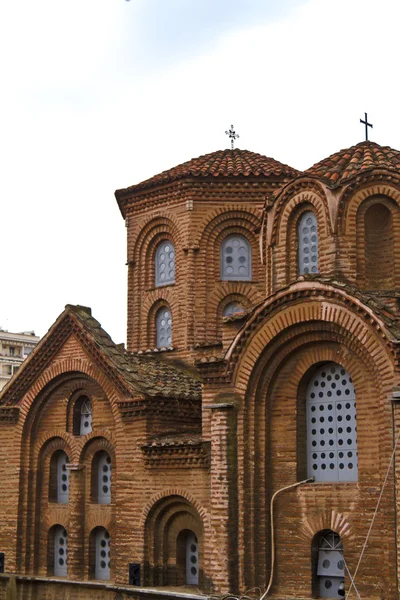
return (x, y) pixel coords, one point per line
(102, 94)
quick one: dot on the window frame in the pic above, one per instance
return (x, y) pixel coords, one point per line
(157, 264)
(249, 256)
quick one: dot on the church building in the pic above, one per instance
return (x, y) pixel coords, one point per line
(245, 441)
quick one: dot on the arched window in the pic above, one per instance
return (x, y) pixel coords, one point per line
(235, 259)
(102, 554)
(329, 579)
(104, 478)
(232, 308)
(188, 556)
(60, 551)
(308, 243)
(165, 263)
(163, 328)
(331, 425)
(59, 478)
(82, 416)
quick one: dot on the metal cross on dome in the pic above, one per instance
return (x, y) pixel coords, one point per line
(232, 135)
(366, 126)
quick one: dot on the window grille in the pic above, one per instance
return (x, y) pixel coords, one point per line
(331, 425)
(330, 569)
(60, 551)
(86, 417)
(192, 559)
(232, 309)
(235, 259)
(165, 263)
(103, 544)
(163, 328)
(62, 479)
(308, 243)
(104, 478)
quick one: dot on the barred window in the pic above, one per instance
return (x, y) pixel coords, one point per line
(235, 259)
(165, 263)
(331, 425)
(62, 479)
(60, 551)
(308, 243)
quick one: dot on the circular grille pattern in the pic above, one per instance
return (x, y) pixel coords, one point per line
(60, 551)
(235, 258)
(62, 479)
(104, 481)
(232, 309)
(308, 243)
(165, 263)
(164, 328)
(331, 425)
(103, 544)
(86, 416)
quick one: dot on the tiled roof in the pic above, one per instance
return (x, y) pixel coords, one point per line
(145, 375)
(225, 163)
(342, 166)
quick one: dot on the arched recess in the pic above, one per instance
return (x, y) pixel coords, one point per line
(290, 343)
(55, 387)
(208, 267)
(173, 527)
(377, 244)
(92, 456)
(285, 236)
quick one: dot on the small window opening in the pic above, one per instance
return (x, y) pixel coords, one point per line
(308, 243)
(102, 554)
(330, 567)
(165, 263)
(60, 551)
(163, 328)
(235, 259)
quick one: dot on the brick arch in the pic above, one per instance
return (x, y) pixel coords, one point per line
(331, 520)
(283, 216)
(294, 194)
(269, 403)
(349, 203)
(156, 226)
(100, 519)
(217, 218)
(94, 442)
(55, 440)
(61, 370)
(56, 516)
(154, 301)
(322, 303)
(167, 519)
(172, 492)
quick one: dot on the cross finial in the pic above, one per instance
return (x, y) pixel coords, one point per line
(232, 135)
(366, 126)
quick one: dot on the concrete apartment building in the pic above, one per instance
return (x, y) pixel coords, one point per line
(14, 348)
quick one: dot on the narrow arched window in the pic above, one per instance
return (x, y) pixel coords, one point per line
(165, 263)
(104, 478)
(60, 551)
(331, 425)
(232, 308)
(102, 554)
(329, 579)
(187, 557)
(308, 243)
(235, 259)
(86, 417)
(62, 478)
(163, 328)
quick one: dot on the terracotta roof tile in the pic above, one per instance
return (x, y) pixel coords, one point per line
(338, 168)
(225, 163)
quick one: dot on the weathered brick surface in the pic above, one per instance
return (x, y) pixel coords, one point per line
(211, 466)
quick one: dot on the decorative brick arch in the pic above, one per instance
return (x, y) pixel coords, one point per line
(172, 492)
(167, 524)
(351, 199)
(156, 227)
(306, 191)
(152, 305)
(76, 368)
(283, 216)
(56, 440)
(94, 442)
(100, 519)
(321, 303)
(216, 220)
(57, 516)
(332, 520)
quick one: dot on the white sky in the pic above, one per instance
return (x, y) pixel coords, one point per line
(101, 94)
